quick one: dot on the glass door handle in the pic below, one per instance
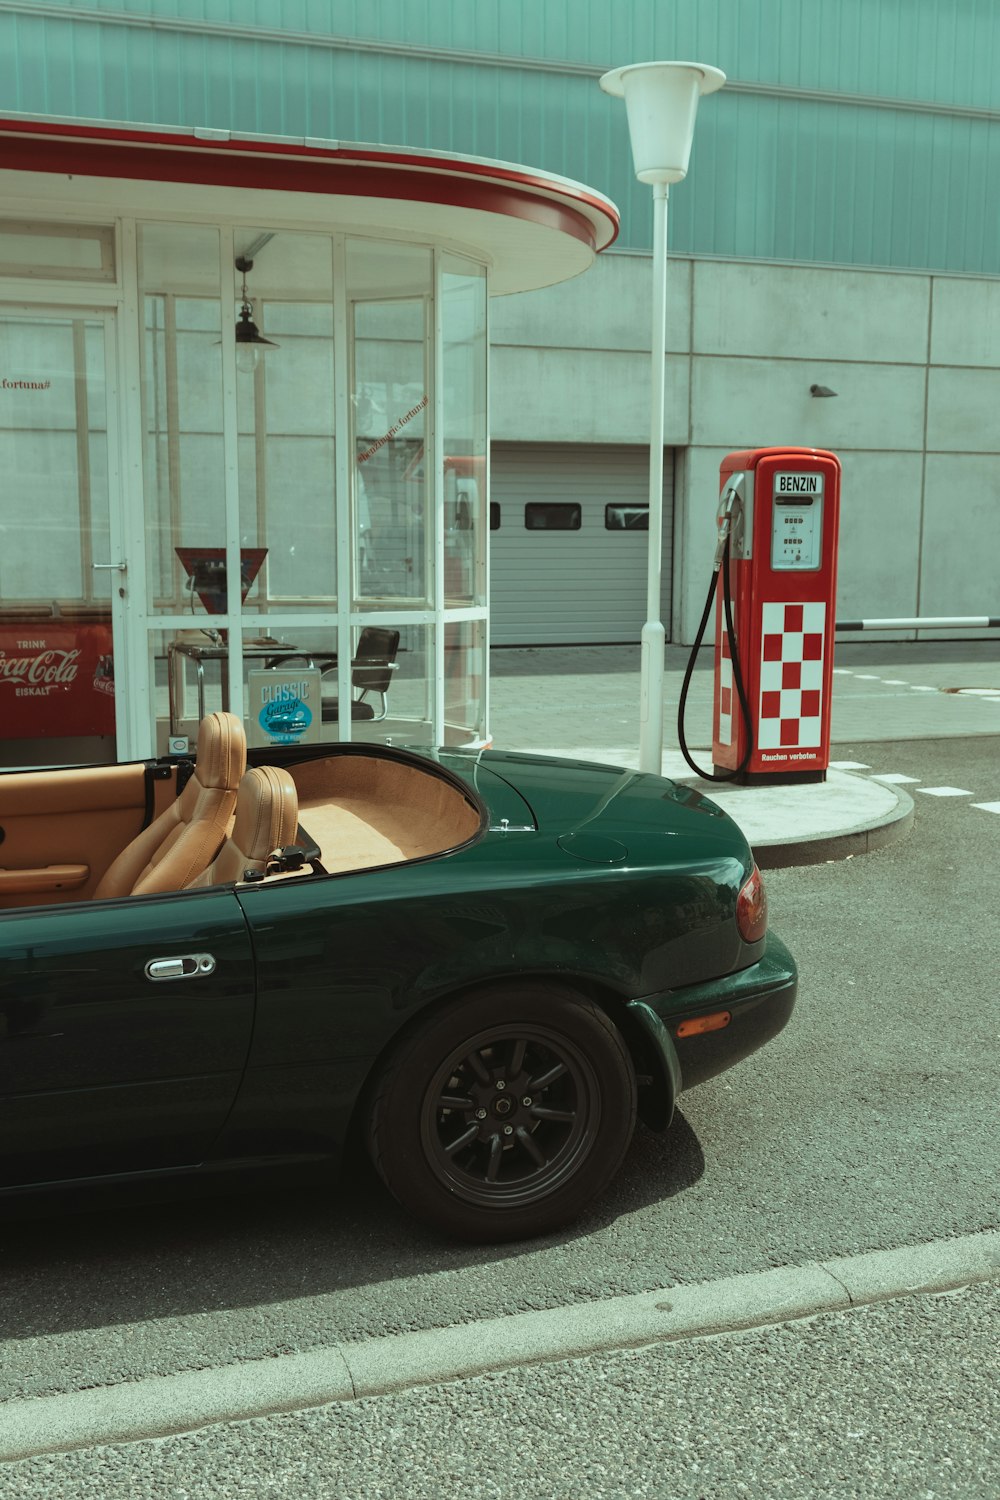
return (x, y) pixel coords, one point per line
(119, 567)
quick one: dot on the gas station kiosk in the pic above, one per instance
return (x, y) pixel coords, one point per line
(778, 523)
(244, 429)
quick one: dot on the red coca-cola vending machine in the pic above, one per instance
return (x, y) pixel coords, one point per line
(56, 679)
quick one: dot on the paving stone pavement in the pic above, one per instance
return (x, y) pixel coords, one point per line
(583, 702)
(588, 696)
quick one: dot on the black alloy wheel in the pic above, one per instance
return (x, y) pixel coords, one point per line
(508, 1114)
(505, 1113)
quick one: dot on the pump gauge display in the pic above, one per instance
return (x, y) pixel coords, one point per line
(797, 522)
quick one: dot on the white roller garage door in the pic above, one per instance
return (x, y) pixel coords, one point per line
(551, 586)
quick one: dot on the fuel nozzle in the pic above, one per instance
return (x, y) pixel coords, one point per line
(728, 502)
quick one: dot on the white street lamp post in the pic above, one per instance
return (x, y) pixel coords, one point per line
(661, 99)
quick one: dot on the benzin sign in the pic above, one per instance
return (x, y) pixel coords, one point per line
(798, 484)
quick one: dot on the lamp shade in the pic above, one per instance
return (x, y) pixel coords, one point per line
(661, 100)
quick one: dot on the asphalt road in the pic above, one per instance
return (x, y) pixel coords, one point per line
(870, 1123)
(900, 1401)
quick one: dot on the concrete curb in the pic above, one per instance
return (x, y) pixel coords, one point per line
(816, 850)
(164, 1405)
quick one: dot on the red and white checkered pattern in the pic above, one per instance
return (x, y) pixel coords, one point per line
(727, 692)
(790, 712)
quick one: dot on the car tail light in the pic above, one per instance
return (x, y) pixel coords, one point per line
(751, 909)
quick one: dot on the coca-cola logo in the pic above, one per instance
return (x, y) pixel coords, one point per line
(49, 667)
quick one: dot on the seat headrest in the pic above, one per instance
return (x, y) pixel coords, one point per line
(222, 752)
(267, 812)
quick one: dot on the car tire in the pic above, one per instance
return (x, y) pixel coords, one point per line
(505, 1113)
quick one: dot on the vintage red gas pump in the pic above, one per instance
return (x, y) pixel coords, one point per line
(780, 508)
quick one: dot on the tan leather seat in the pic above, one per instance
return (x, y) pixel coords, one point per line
(185, 839)
(267, 817)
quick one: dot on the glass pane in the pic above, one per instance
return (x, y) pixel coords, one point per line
(389, 291)
(389, 690)
(183, 449)
(551, 515)
(69, 252)
(464, 681)
(463, 386)
(626, 518)
(56, 663)
(392, 683)
(190, 674)
(286, 420)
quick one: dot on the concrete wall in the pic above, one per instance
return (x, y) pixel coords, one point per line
(915, 360)
(571, 363)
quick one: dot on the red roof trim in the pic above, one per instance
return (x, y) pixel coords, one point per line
(102, 151)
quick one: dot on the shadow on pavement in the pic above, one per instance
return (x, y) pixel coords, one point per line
(126, 1260)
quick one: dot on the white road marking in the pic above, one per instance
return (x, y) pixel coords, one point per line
(894, 778)
(867, 677)
(894, 681)
(848, 765)
(988, 806)
(944, 791)
(923, 689)
(981, 692)
(842, 672)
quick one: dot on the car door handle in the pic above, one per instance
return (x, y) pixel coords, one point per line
(190, 966)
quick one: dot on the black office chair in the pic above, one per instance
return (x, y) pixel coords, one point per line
(374, 664)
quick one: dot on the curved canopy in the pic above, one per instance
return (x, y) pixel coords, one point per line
(530, 227)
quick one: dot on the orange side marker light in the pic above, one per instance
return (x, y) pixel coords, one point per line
(701, 1024)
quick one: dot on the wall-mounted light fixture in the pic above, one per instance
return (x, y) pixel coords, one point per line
(821, 390)
(250, 343)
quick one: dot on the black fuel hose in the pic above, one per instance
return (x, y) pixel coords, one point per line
(737, 677)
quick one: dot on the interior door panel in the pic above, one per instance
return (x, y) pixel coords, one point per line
(73, 820)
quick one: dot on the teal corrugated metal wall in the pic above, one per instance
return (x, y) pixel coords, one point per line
(945, 51)
(861, 132)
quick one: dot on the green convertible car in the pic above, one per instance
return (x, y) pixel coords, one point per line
(482, 964)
